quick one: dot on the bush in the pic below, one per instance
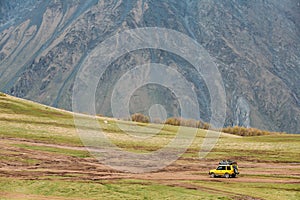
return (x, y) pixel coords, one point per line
(176, 121)
(138, 117)
(173, 121)
(243, 131)
(206, 126)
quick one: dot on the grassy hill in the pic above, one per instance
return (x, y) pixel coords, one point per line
(42, 157)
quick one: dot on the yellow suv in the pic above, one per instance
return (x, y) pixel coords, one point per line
(226, 168)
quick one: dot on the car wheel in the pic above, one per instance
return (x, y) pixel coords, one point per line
(212, 175)
(226, 175)
(233, 175)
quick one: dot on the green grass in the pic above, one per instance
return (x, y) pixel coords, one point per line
(27, 120)
(273, 191)
(16, 106)
(273, 148)
(68, 152)
(36, 122)
(22, 119)
(122, 189)
(271, 176)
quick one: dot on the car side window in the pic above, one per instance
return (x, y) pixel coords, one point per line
(228, 168)
(220, 168)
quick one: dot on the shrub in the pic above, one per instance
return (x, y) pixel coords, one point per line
(173, 121)
(243, 131)
(206, 126)
(176, 121)
(138, 117)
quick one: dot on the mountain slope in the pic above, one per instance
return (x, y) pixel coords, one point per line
(255, 46)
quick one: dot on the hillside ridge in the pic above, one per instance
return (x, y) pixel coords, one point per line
(255, 46)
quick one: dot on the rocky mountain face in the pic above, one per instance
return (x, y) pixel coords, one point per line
(255, 45)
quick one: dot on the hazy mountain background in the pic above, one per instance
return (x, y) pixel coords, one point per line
(256, 45)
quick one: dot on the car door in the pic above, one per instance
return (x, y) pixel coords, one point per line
(221, 170)
(229, 169)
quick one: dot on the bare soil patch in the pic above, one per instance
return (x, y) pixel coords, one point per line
(29, 164)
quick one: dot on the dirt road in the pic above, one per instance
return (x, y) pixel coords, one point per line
(31, 164)
(36, 164)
